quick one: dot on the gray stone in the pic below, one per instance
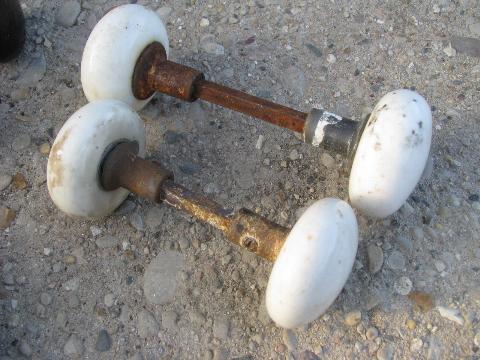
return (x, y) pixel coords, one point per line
(34, 72)
(294, 155)
(136, 221)
(154, 218)
(289, 339)
(405, 243)
(435, 350)
(307, 355)
(466, 45)
(136, 356)
(104, 341)
(25, 349)
(13, 320)
(418, 234)
(451, 314)
(8, 279)
(372, 333)
(5, 180)
(220, 328)
(327, 160)
(375, 258)
(74, 346)
(209, 45)
(45, 298)
(403, 285)
(72, 284)
(160, 281)
(396, 261)
(147, 325)
(474, 28)
(169, 320)
(109, 300)
(385, 352)
(106, 241)
(68, 13)
(220, 354)
(21, 142)
(164, 12)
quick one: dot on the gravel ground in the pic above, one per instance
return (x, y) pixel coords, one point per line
(73, 288)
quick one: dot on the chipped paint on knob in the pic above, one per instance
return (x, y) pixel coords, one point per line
(391, 154)
(313, 264)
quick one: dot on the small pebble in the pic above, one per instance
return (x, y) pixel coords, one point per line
(45, 299)
(396, 261)
(204, 22)
(327, 160)
(136, 221)
(385, 352)
(423, 300)
(106, 241)
(259, 143)
(169, 320)
(25, 348)
(289, 339)
(70, 259)
(44, 148)
(6, 217)
(411, 324)
(331, 58)
(19, 182)
(375, 258)
(68, 13)
(164, 12)
(21, 142)
(104, 341)
(372, 333)
(5, 180)
(451, 314)
(74, 346)
(403, 285)
(220, 328)
(416, 345)
(353, 318)
(109, 300)
(418, 234)
(294, 155)
(147, 325)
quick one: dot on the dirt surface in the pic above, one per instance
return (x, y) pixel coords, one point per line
(74, 288)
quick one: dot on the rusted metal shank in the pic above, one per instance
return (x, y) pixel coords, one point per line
(240, 101)
(123, 168)
(154, 72)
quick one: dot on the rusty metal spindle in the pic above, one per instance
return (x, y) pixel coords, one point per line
(123, 168)
(251, 105)
(154, 72)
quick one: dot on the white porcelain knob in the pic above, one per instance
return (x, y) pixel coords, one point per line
(112, 50)
(391, 154)
(74, 163)
(313, 264)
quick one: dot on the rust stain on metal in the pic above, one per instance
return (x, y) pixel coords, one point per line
(123, 168)
(244, 228)
(153, 72)
(240, 101)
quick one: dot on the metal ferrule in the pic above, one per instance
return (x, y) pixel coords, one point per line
(332, 132)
